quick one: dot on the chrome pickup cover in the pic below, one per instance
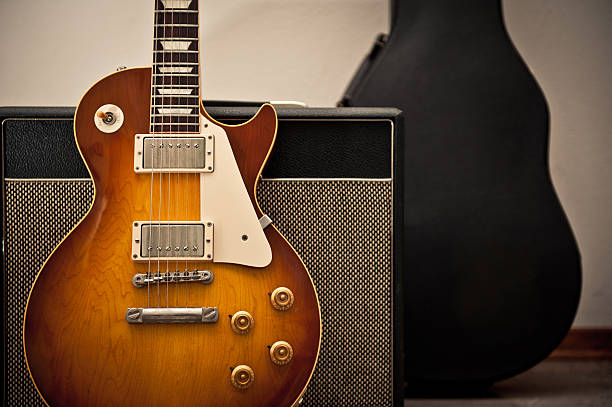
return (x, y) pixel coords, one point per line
(203, 315)
(173, 153)
(172, 241)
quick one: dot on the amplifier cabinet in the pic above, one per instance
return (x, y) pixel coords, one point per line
(332, 188)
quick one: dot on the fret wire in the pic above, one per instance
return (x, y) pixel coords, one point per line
(187, 131)
(176, 122)
(175, 106)
(176, 38)
(192, 109)
(176, 74)
(167, 51)
(165, 81)
(170, 119)
(187, 72)
(173, 28)
(161, 131)
(176, 11)
(159, 124)
(189, 77)
(175, 114)
(188, 125)
(176, 63)
(163, 57)
(176, 25)
(177, 19)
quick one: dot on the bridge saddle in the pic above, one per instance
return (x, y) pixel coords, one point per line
(204, 276)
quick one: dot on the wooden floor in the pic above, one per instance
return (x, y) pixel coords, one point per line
(558, 383)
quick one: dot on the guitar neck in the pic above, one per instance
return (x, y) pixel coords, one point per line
(175, 81)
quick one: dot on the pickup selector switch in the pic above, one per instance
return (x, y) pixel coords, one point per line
(108, 118)
(242, 377)
(242, 322)
(281, 353)
(282, 298)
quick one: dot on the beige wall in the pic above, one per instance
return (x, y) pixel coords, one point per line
(308, 49)
(567, 44)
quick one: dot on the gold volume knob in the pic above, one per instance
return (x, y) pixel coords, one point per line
(282, 298)
(281, 353)
(242, 377)
(242, 322)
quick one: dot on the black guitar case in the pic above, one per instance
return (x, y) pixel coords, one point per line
(492, 271)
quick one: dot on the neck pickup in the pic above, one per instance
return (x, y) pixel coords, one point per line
(173, 153)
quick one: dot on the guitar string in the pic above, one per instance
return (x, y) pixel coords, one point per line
(197, 92)
(178, 174)
(153, 152)
(184, 231)
(160, 146)
(168, 246)
(189, 175)
(185, 187)
(163, 147)
(177, 243)
(185, 245)
(186, 199)
(160, 247)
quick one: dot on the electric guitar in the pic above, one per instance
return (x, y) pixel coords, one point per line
(175, 289)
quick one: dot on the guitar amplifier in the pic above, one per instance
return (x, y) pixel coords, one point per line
(332, 187)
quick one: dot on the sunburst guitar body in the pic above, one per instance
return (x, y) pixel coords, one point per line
(175, 289)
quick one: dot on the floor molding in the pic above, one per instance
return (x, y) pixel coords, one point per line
(585, 343)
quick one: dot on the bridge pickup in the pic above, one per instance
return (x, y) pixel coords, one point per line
(174, 153)
(203, 315)
(164, 240)
(141, 280)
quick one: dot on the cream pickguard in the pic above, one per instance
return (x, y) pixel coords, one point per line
(224, 201)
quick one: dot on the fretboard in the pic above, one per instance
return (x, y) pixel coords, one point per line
(175, 82)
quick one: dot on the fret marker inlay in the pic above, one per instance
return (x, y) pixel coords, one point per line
(176, 3)
(167, 110)
(176, 45)
(176, 69)
(170, 91)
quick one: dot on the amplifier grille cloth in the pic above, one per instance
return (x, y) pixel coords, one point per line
(342, 230)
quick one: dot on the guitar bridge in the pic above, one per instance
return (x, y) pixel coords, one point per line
(204, 276)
